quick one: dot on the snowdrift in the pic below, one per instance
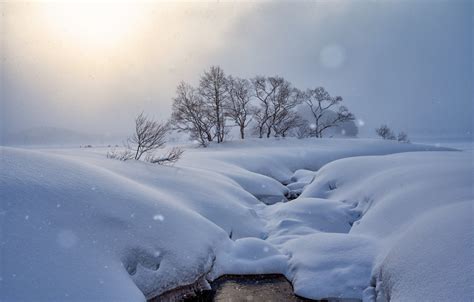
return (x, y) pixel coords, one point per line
(78, 226)
(417, 208)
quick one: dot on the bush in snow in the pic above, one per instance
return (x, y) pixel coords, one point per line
(120, 155)
(168, 158)
(403, 137)
(385, 132)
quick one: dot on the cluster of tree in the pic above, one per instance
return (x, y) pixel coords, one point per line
(386, 133)
(149, 135)
(268, 104)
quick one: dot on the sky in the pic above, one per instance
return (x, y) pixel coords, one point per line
(92, 66)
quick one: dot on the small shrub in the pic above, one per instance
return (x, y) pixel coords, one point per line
(169, 158)
(123, 155)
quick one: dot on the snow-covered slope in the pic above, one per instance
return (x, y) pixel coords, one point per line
(78, 226)
(73, 231)
(417, 208)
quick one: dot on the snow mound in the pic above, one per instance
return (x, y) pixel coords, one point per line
(432, 260)
(417, 207)
(78, 226)
(304, 215)
(326, 265)
(249, 256)
(75, 231)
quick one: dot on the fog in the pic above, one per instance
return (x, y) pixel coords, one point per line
(404, 63)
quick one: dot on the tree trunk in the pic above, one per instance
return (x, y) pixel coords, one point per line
(260, 131)
(136, 153)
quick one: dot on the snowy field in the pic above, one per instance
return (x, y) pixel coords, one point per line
(372, 219)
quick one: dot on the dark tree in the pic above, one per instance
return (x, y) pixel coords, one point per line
(264, 89)
(190, 114)
(320, 102)
(385, 132)
(403, 137)
(238, 105)
(283, 102)
(276, 102)
(212, 88)
(149, 135)
(287, 121)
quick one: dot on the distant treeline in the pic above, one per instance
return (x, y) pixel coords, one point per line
(265, 104)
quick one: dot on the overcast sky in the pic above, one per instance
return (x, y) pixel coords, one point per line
(404, 63)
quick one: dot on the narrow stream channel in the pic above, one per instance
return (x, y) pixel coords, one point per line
(235, 288)
(256, 288)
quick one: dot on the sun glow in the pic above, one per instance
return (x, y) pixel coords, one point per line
(92, 25)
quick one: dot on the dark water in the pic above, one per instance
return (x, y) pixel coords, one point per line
(273, 288)
(255, 288)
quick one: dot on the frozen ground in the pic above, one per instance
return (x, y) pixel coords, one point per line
(375, 220)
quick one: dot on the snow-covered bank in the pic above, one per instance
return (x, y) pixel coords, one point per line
(78, 226)
(413, 206)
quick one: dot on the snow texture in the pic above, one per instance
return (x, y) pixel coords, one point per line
(77, 226)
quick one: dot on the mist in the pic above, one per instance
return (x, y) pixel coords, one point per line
(407, 64)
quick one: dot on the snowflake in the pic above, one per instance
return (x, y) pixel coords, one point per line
(158, 217)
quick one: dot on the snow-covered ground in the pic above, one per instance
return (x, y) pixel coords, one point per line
(375, 220)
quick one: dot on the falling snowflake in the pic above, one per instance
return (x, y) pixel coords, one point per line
(360, 123)
(158, 217)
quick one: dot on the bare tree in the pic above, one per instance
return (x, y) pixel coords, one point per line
(385, 132)
(264, 89)
(190, 114)
(276, 99)
(403, 137)
(282, 114)
(212, 88)
(304, 129)
(238, 105)
(320, 103)
(149, 135)
(287, 121)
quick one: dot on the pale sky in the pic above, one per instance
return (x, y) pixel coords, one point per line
(92, 67)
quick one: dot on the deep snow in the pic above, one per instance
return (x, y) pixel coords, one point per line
(78, 226)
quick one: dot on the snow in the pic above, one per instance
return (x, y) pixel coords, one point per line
(330, 265)
(249, 256)
(439, 245)
(103, 228)
(414, 207)
(78, 226)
